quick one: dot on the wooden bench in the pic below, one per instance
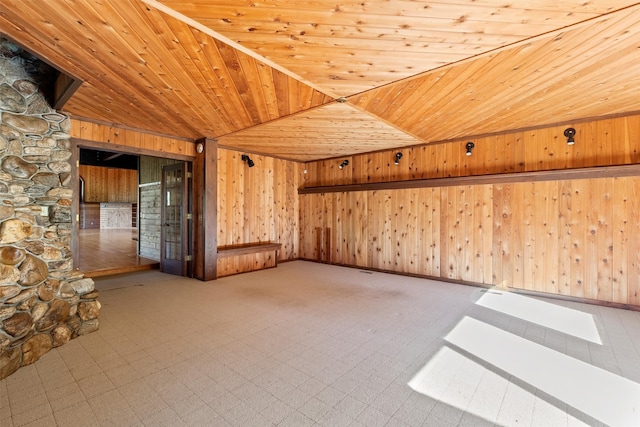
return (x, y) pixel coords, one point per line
(245, 257)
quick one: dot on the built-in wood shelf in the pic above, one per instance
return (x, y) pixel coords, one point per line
(242, 258)
(247, 248)
(503, 178)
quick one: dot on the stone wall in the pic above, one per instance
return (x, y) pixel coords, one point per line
(43, 302)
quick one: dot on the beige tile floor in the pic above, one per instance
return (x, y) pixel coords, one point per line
(312, 344)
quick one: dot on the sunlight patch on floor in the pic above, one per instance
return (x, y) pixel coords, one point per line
(596, 392)
(561, 319)
(458, 381)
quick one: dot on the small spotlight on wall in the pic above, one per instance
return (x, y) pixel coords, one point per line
(343, 164)
(570, 133)
(247, 159)
(469, 147)
(398, 157)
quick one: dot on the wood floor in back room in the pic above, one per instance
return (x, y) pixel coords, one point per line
(110, 251)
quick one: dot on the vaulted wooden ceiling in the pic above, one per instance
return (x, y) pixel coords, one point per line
(309, 80)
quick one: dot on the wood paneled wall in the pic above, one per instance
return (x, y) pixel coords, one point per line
(569, 237)
(136, 140)
(577, 238)
(109, 184)
(258, 204)
(614, 141)
(151, 168)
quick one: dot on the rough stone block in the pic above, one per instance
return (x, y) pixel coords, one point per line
(60, 167)
(35, 347)
(60, 214)
(11, 99)
(33, 271)
(88, 327)
(89, 310)
(9, 275)
(10, 255)
(18, 168)
(60, 335)
(8, 291)
(10, 361)
(23, 296)
(49, 179)
(57, 313)
(7, 311)
(18, 325)
(14, 230)
(83, 286)
(6, 211)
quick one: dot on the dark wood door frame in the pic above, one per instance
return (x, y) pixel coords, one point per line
(204, 202)
(76, 145)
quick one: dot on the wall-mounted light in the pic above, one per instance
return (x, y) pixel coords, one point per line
(570, 133)
(247, 159)
(469, 147)
(398, 157)
(343, 164)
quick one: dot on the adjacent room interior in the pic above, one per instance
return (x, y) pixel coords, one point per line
(309, 213)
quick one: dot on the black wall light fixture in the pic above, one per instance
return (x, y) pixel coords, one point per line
(570, 133)
(469, 147)
(343, 164)
(247, 159)
(398, 157)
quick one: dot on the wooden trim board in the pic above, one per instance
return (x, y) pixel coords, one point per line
(503, 178)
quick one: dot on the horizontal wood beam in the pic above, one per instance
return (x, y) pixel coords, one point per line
(64, 88)
(503, 178)
(127, 149)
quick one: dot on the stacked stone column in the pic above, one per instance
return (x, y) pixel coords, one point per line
(44, 302)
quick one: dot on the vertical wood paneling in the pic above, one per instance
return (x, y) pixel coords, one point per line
(550, 222)
(633, 221)
(487, 233)
(564, 238)
(109, 184)
(468, 242)
(620, 237)
(576, 237)
(591, 244)
(119, 136)
(360, 235)
(606, 142)
(258, 204)
(436, 227)
(443, 238)
(579, 208)
(498, 208)
(151, 168)
(605, 239)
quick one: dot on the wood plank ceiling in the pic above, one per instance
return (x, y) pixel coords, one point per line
(268, 76)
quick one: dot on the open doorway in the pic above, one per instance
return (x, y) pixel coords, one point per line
(119, 212)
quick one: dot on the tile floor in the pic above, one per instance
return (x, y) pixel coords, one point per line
(312, 344)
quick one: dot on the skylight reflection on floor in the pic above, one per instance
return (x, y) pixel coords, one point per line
(600, 394)
(561, 319)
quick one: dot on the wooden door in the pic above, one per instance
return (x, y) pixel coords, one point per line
(175, 218)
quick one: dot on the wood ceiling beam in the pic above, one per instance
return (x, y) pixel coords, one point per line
(206, 30)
